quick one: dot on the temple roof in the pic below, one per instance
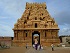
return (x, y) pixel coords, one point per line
(35, 16)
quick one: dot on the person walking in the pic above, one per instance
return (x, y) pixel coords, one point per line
(52, 47)
(26, 45)
(40, 47)
(36, 46)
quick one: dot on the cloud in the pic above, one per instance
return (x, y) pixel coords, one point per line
(5, 30)
(60, 11)
(63, 17)
(12, 7)
(64, 29)
(11, 10)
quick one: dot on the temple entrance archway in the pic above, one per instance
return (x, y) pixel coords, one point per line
(35, 36)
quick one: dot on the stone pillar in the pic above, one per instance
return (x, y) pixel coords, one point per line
(45, 34)
(17, 35)
(29, 34)
(48, 34)
(21, 34)
(30, 38)
(24, 35)
(41, 37)
(14, 35)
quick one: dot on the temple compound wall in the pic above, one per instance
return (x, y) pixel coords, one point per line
(36, 20)
(7, 41)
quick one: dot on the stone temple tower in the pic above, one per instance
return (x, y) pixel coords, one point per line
(35, 22)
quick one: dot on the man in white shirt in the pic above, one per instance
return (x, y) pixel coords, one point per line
(52, 47)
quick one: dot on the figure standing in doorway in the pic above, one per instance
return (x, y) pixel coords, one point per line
(36, 43)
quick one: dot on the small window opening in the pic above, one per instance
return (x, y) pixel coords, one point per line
(45, 7)
(35, 25)
(35, 18)
(27, 17)
(42, 13)
(26, 34)
(40, 18)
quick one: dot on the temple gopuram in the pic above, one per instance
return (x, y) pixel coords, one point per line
(35, 25)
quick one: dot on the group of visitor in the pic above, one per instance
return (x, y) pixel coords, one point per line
(37, 46)
(40, 47)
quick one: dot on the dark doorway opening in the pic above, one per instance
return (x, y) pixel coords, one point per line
(35, 25)
(35, 34)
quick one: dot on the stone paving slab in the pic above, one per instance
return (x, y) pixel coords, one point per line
(32, 50)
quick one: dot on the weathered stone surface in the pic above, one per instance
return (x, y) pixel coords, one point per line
(36, 20)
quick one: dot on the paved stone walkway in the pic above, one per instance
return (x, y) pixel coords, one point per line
(32, 50)
(48, 50)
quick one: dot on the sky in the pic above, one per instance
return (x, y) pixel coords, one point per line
(11, 10)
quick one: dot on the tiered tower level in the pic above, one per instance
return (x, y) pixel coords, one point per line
(35, 20)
